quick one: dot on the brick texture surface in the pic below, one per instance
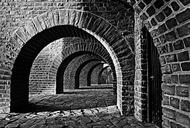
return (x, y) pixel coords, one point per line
(170, 30)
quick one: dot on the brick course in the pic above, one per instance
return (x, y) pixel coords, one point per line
(170, 32)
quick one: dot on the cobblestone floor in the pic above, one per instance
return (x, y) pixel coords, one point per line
(84, 108)
(74, 99)
(102, 117)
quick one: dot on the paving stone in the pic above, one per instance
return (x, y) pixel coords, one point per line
(12, 125)
(87, 112)
(2, 115)
(95, 117)
(3, 123)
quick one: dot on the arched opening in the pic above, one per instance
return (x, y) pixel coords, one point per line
(61, 70)
(105, 76)
(23, 63)
(89, 76)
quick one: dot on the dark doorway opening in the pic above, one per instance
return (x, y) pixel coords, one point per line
(154, 81)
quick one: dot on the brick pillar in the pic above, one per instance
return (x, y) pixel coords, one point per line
(168, 23)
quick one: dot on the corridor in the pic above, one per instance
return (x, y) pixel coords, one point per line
(58, 59)
(84, 98)
(92, 107)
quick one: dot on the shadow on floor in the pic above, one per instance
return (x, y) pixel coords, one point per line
(72, 100)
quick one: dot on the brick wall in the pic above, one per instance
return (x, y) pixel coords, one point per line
(94, 75)
(105, 76)
(70, 72)
(168, 23)
(22, 22)
(39, 81)
(84, 73)
(51, 57)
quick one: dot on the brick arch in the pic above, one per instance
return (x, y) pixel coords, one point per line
(62, 48)
(39, 80)
(100, 74)
(168, 24)
(49, 23)
(94, 75)
(90, 73)
(83, 71)
(73, 66)
(74, 51)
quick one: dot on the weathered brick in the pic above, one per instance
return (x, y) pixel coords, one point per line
(163, 49)
(162, 28)
(167, 11)
(174, 125)
(174, 102)
(176, 67)
(174, 79)
(183, 56)
(185, 2)
(144, 16)
(166, 78)
(153, 22)
(185, 105)
(184, 30)
(165, 123)
(162, 60)
(147, 1)
(168, 113)
(166, 69)
(178, 45)
(185, 66)
(171, 58)
(154, 32)
(182, 91)
(148, 25)
(158, 3)
(165, 100)
(184, 79)
(171, 48)
(168, 89)
(160, 17)
(141, 5)
(183, 16)
(2, 86)
(170, 36)
(151, 11)
(187, 41)
(156, 41)
(175, 6)
(183, 119)
(171, 23)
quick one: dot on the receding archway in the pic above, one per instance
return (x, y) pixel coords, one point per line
(117, 47)
(90, 73)
(63, 66)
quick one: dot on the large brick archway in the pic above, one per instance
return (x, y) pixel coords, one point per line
(48, 27)
(73, 52)
(72, 68)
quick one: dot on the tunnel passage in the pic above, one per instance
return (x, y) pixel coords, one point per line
(84, 81)
(65, 55)
(40, 81)
(34, 49)
(167, 21)
(92, 76)
(66, 58)
(90, 48)
(105, 76)
(70, 72)
(117, 46)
